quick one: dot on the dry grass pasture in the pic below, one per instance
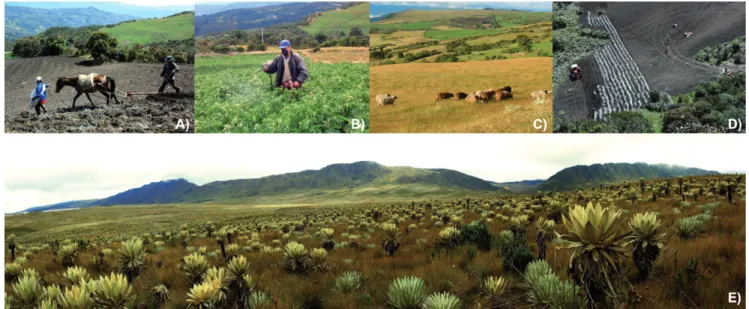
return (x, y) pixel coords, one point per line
(417, 85)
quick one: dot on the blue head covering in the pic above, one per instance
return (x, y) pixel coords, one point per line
(285, 43)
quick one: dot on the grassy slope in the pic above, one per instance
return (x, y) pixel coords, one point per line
(154, 30)
(416, 87)
(341, 20)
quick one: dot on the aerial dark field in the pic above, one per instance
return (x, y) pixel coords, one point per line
(646, 53)
(152, 113)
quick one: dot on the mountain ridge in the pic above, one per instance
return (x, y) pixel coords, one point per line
(21, 21)
(364, 175)
(371, 180)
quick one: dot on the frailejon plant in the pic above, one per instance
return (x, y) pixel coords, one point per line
(217, 275)
(646, 242)
(67, 254)
(10, 240)
(319, 258)
(348, 281)
(203, 295)
(545, 233)
(407, 293)
(194, 266)
(688, 227)
(327, 238)
(74, 275)
(599, 245)
(449, 238)
(160, 295)
(131, 258)
(296, 258)
(493, 288)
(76, 297)
(12, 271)
(113, 292)
(442, 301)
(27, 292)
(390, 238)
(52, 292)
(259, 300)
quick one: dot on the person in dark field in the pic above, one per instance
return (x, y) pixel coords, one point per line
(170, 69)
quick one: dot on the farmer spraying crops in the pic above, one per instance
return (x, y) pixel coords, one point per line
(170, 69)
(292, 72)
(39, 96)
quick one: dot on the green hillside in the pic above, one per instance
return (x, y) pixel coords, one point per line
(144, 31)
(459, 35)
(579, 177)
(341, 20)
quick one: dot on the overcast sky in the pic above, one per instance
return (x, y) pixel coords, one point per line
(55, 168)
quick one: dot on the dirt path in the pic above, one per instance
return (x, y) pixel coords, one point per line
(152, 113)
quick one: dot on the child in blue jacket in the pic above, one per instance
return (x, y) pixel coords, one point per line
(41, 95)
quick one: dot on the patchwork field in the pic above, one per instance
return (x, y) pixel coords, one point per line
(341, 20)
(417, 84)
(459, 35)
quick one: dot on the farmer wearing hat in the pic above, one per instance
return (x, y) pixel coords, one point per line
(40, 96)
(292, 72)
(170, 68)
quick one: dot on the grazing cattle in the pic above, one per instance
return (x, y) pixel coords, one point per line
(505, 95)
(444, 96)
(385, 99)
(507, 88)
(461, 95)
(539, 96)
(485, 95)
(472, 97)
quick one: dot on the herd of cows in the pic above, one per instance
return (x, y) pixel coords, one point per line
(504, 93)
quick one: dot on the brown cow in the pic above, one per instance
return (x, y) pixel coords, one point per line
(485, 95)
(460, 95)
(506, 95)
(444, 96)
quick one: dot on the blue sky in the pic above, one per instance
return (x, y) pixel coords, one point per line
(142, 9)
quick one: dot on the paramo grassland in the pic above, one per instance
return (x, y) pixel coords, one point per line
(664, 243)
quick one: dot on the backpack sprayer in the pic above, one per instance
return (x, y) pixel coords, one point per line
(270, 75)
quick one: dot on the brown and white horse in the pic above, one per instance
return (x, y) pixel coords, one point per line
(85, 84)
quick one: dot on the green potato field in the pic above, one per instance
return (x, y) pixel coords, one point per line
(234, 95)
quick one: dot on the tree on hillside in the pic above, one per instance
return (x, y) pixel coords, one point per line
(101, 46)
(320, 37)
(356, 31)
(524, 42)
